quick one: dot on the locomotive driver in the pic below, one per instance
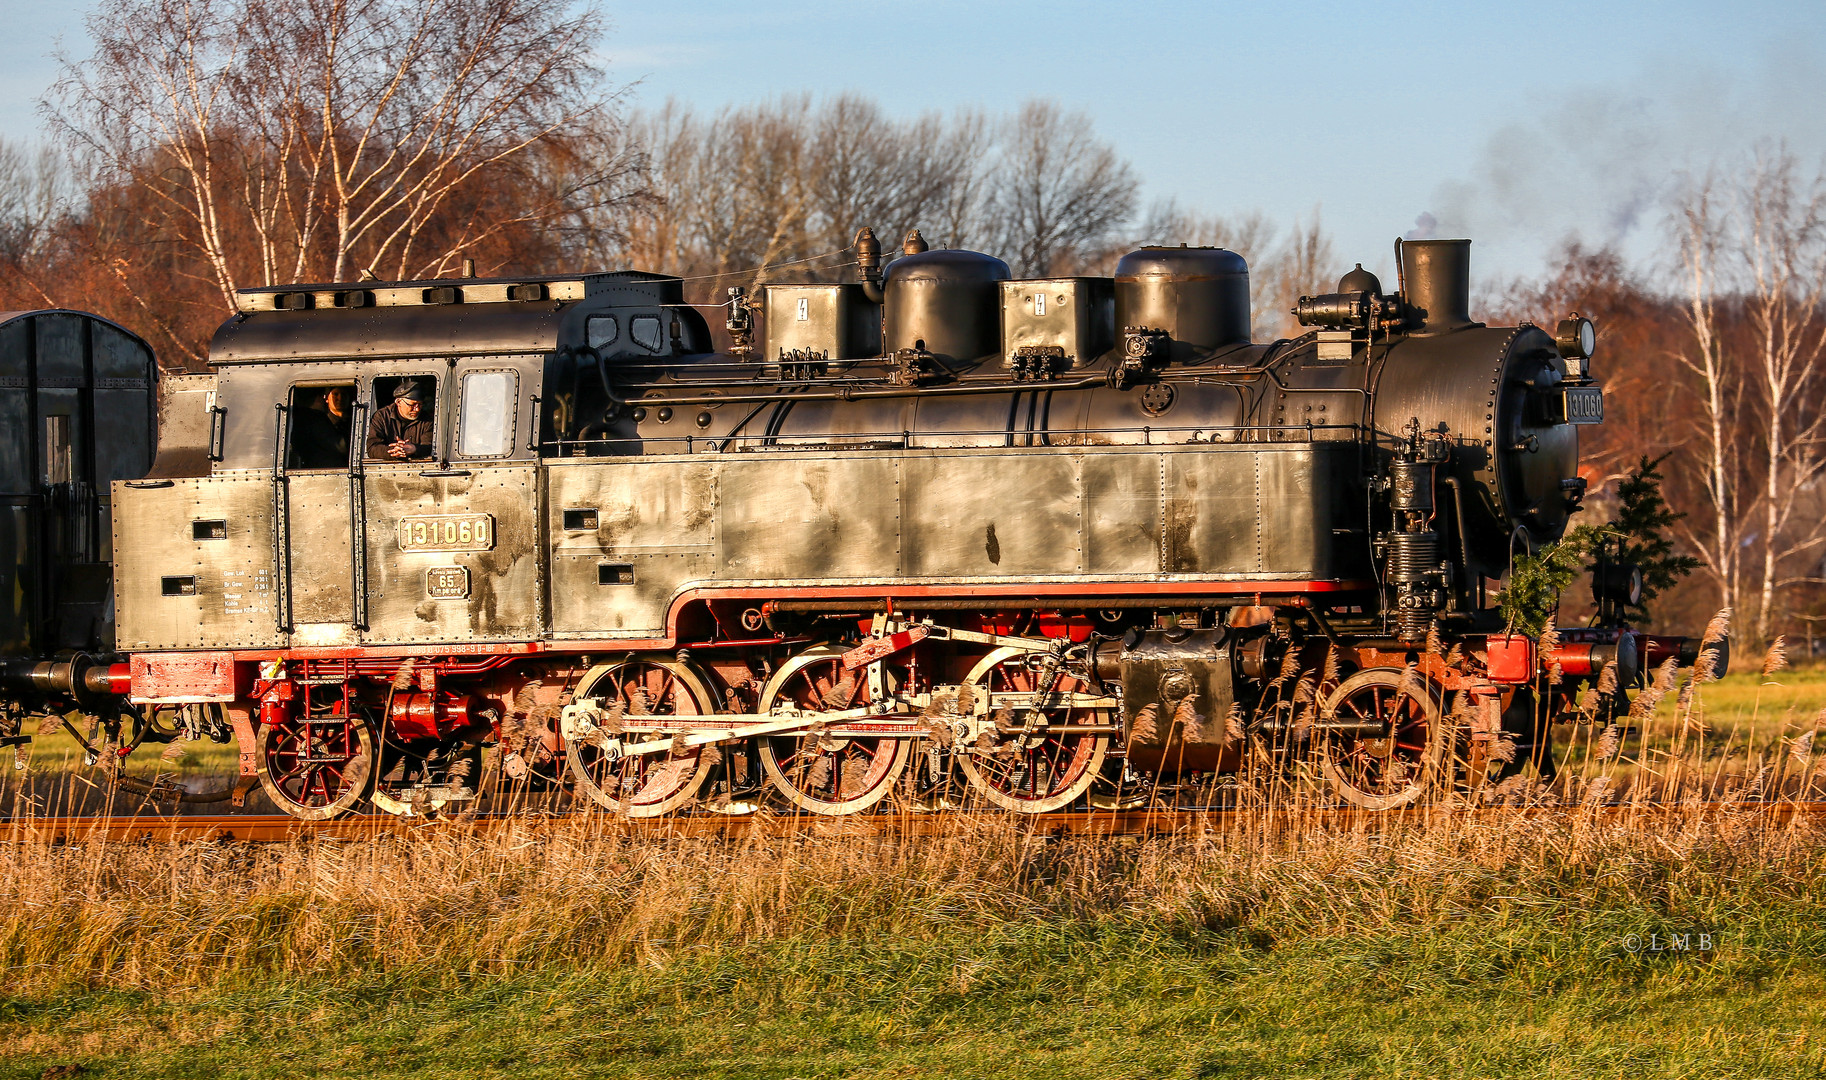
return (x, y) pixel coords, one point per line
(402, 430)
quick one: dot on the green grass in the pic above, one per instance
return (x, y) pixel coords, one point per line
(58, 752)
(1517, 998)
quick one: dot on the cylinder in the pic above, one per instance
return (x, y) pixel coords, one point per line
(948, 303)
(1198, 295)
(1437, 277)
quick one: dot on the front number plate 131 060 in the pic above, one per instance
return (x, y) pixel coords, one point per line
(447, 532)
(1584, 405)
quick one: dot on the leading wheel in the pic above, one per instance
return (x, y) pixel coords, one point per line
(643, 785)
(1393, 768)
(316, 768)
(824, 773)
(1037, 772)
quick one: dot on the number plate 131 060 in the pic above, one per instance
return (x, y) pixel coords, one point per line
(447, 532)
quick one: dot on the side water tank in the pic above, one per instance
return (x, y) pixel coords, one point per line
(947, 302)
(1198, 295)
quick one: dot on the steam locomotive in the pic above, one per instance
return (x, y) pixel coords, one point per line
(933, 536)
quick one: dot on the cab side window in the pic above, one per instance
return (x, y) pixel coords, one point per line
(403, 422)
(320, 423)
(646, 332)
(601, 331)
(485, 422)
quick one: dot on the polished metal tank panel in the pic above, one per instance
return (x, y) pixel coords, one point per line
(1249, 511)
(234, 603)
(809, 517)
(1121, 512)
(977, 515)
(630, 534)
(654, 530)
(505, 582)
(836, 320)
(1075, 314)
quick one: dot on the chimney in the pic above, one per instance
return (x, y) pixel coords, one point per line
(1436, 275)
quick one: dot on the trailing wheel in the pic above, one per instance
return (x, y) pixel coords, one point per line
(823, 772)
(316, 768)
(643, 691)
(1393, 764)
(1019, 765)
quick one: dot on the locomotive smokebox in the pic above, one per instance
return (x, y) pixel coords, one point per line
(1437, 276)
(1198, 295)
(947, 302)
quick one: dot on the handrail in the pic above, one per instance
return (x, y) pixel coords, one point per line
(909, 440)
(282, 523)
(358, 518)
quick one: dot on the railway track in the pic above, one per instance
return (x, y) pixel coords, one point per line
(278, 828)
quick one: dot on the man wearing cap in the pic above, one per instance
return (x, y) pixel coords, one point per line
(402, 430)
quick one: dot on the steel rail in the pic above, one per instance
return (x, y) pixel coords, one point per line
(278, 828)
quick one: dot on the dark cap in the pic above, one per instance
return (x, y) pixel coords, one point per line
(412, 388)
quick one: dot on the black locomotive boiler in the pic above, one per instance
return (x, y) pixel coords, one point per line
(933, 536)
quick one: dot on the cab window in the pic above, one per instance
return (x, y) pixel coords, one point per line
(320, 426)
(485, 423)
(646, 332)
(403, 424)
(601, 331)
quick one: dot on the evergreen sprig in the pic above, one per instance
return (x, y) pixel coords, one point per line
(1639, 529)
(1536, 581)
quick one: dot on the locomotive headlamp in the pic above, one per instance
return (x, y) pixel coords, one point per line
(1617, 582)
(1577, 339)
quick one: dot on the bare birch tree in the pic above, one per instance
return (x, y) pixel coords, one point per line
(1058, 190)
(310, 140)
(1698, 228)
(1782, 220)
(34, 190)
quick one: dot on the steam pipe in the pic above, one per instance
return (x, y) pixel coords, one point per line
(862, 395)
(868, 263)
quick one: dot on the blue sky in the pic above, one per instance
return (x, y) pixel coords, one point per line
(1516, 124)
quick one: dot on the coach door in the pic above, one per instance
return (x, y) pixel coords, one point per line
(452, 538)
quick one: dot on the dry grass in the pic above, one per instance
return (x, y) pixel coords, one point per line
(443, 908)
(1273, 943)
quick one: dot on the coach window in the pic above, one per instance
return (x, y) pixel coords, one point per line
(601, 331)
(646, 332)
(320, 426)
(485, 423)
